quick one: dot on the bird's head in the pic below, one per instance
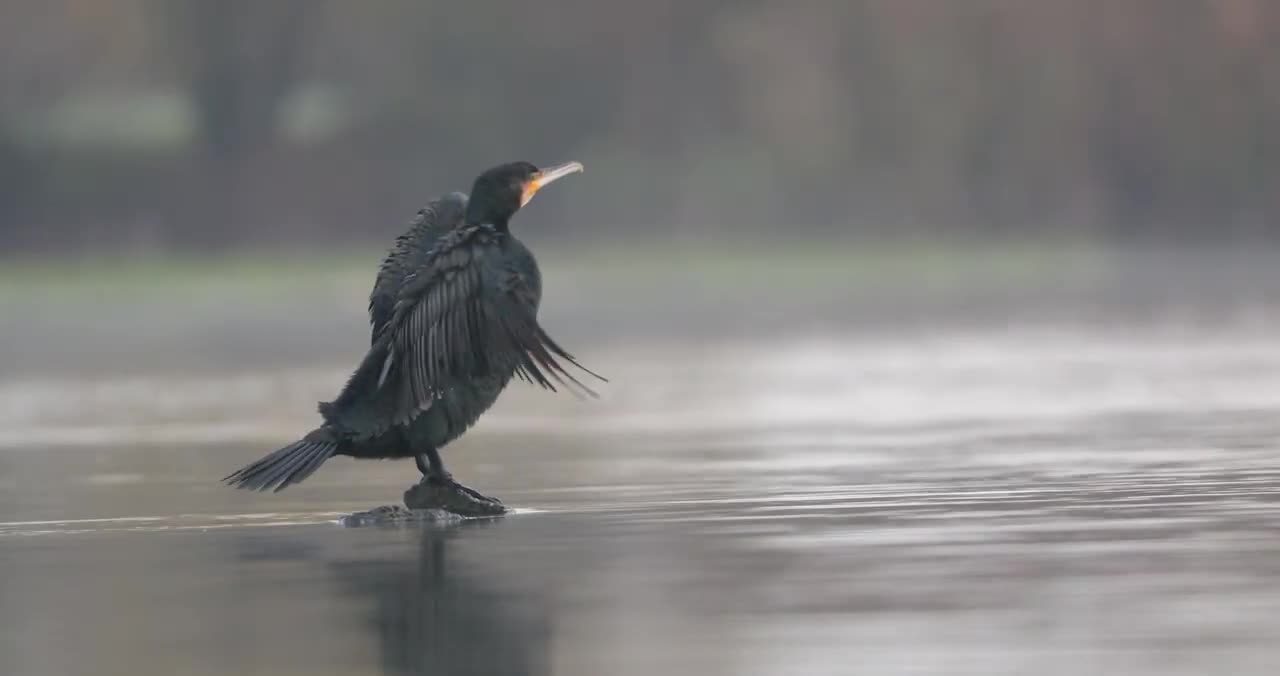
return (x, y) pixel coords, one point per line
(499, 192)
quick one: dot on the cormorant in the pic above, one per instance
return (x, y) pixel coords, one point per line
(454, 317)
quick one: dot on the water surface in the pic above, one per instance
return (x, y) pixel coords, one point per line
(992, 498)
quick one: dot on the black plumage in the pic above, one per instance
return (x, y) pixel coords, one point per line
(453, 313)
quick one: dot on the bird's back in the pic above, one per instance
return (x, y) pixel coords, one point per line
(410, 252)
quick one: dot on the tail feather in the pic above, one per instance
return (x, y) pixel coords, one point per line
(284, 467)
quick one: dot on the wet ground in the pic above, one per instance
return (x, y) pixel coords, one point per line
(1028, 496)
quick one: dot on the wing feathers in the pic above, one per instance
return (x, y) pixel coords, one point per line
(459, 315)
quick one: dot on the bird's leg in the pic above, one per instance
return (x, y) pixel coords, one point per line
(432, 467)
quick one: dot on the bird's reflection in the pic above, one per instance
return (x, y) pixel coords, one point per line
(442, 612)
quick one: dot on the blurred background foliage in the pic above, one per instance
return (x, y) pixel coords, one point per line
(193, 125)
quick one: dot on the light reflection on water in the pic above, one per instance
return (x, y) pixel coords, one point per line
(1005, 502)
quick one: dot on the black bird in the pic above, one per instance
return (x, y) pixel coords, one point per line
(454, 314)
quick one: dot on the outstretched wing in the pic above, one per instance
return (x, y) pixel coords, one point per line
(410, 252)
(467, 312)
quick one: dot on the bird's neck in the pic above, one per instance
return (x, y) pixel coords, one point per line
(499, 224)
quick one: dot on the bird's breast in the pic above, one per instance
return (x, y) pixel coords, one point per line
(521, 261)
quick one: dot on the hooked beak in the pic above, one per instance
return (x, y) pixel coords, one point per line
(546, 177)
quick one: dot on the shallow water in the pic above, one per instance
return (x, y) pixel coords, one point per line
(1003, 499)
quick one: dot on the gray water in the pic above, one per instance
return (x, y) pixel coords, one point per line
(993, 497)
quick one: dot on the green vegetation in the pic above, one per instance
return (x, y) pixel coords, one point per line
(144, 277)
(773, 269)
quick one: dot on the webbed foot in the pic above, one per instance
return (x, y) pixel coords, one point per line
(437, 491)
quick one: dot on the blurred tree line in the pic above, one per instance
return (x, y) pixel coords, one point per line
(204, 124)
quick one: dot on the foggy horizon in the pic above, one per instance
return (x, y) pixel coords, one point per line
(201, 127)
